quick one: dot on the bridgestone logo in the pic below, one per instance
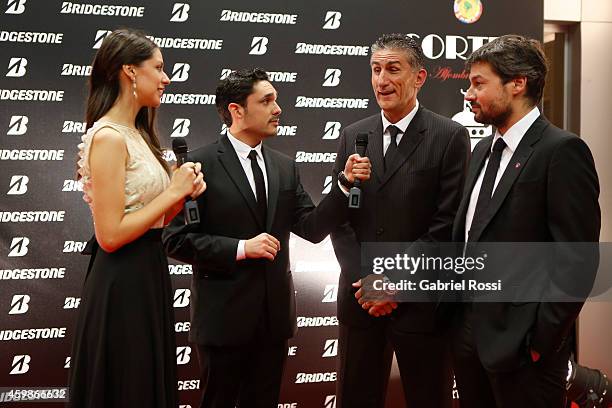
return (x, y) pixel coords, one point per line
(188, 99)
(18, 185)
(331, 103)
(74, 246)
(19, 304)
(332, 77)
(19, 247)
(17, 67)
(72, 185)
(282, 76)
(332, 130)
(36, 95)
(259, 46)
(31, 37)
(33, 334)
(327, 185)
(56, 155)
(70, 126)
(330, 401)
(18, 125)
(304, 378)
(286, 131)
(306, 157)
(101, 10)
(265, 18)
(183, 355)
(20, 365)
(187, 43)
(328, 49)
(169, 155)
(180, 128)
(180, 12)
(181, 297)
(330, 294)
(320, 321)
(15, 7)
(76, 70)
(32, 216)
(273, 76)
(31, 274)
(180, 270)
(331, 348)
(332, 20)
(99, 38)
(180, 72)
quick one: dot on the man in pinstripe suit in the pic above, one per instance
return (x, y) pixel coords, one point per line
(419, 161)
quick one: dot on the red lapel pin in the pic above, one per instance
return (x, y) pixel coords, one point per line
(517, 165)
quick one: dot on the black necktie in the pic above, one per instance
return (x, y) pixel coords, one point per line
(393, 131)
(488, 181)
(260, 186)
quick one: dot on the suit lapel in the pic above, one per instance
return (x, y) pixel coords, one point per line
(413, 136)
(476, 165)
(231, 163)
(515, 167)
(273, 185)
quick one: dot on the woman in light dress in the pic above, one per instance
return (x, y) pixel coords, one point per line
(124, 352)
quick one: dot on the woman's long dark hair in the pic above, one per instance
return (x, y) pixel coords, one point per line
(121, 47)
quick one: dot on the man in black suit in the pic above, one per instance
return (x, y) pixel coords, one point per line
(242, 301)
(529, 182)
(419, 161)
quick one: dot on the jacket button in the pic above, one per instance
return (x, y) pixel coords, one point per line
(380, 231)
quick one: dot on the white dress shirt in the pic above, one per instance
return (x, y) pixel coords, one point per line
(242, 150)
(512, 138)
(402, 125)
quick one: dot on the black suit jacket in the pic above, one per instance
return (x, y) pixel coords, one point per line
(229, 298)
(548, 193)
(416, 198)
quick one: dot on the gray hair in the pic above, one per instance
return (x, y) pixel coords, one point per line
(402, 42)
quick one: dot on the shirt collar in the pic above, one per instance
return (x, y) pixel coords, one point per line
(242, 149)
(514, 135)
(403, 123)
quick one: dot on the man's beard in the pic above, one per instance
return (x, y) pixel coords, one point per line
(496, 116)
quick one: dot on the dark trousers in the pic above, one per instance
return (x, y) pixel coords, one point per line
(535, 385)
(365, 361)
(242, 376)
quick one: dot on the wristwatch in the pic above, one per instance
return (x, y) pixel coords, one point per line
(344, 181)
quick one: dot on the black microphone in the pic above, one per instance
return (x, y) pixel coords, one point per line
(190, 208)
(361, 143)
(588, 388)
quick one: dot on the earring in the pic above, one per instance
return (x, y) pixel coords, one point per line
(134, 87)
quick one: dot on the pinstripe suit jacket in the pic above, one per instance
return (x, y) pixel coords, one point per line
(416, 198)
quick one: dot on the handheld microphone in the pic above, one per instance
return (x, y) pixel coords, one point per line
(587, 387)
(361, 143)
(190, 208)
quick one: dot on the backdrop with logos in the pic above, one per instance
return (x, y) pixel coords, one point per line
(317, 56)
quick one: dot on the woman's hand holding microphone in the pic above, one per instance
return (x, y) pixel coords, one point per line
(188, 180)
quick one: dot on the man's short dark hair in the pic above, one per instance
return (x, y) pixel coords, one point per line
(512, 56)
(235, 89)
(403, 42)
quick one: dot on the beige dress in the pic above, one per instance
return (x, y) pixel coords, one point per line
(124, 350)
(145, 178)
